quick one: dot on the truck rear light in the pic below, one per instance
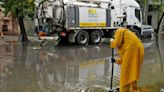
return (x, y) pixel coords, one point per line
(62, 34)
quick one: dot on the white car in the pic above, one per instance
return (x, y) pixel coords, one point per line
(147, 31)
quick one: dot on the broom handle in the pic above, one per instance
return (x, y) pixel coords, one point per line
(112, 69)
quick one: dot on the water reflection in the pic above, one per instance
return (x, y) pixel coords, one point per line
(31, 68)
(159, 58)
(72, 70)
(152, 79)
(56, 69)
(6, 61)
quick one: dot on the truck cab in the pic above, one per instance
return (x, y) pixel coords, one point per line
(126, 13)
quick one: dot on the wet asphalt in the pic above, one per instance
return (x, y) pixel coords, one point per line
(69, 68)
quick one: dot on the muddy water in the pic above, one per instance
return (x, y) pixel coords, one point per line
(152, 75)
(31, 68)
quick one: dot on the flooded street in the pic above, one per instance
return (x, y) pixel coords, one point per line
(152, 79)
(31, 68)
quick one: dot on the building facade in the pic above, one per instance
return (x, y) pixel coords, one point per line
(151, 13)
(154, 14)
(10, 24)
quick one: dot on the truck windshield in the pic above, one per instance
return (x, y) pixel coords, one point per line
(137, 14)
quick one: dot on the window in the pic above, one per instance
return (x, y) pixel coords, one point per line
(152, 8)
(137, 14)
(149, 20)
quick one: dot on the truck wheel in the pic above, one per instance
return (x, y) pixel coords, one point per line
(82, 38)
(96, 37)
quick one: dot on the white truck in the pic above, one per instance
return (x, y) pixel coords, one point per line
(86, 21)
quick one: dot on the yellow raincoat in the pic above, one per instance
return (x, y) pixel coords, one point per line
(131, 53)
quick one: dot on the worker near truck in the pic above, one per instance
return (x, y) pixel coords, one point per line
(131, 53)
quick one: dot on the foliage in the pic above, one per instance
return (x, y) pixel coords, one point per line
(19, 8)
(162, 6)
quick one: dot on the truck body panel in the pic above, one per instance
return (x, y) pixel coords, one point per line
(84, 17)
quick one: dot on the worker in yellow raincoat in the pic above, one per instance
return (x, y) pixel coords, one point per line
(131, 52)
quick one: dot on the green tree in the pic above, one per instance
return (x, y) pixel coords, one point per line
(19, 9)
(161, 15)
(160, 9)
(145, 5)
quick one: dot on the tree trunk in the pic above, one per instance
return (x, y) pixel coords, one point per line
(159, 23)
(23, 36)
(145, 2)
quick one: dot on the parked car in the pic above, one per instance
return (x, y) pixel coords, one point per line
(147, 32)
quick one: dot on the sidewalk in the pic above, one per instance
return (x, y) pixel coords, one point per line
(161, 32)
(14, 39)
(8, 39)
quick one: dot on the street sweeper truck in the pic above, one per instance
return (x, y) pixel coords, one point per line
(86, 21)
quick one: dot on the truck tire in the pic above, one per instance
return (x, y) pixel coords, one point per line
(96, 37)
(82, 38)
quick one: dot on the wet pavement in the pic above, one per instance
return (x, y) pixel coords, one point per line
(32, 68)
